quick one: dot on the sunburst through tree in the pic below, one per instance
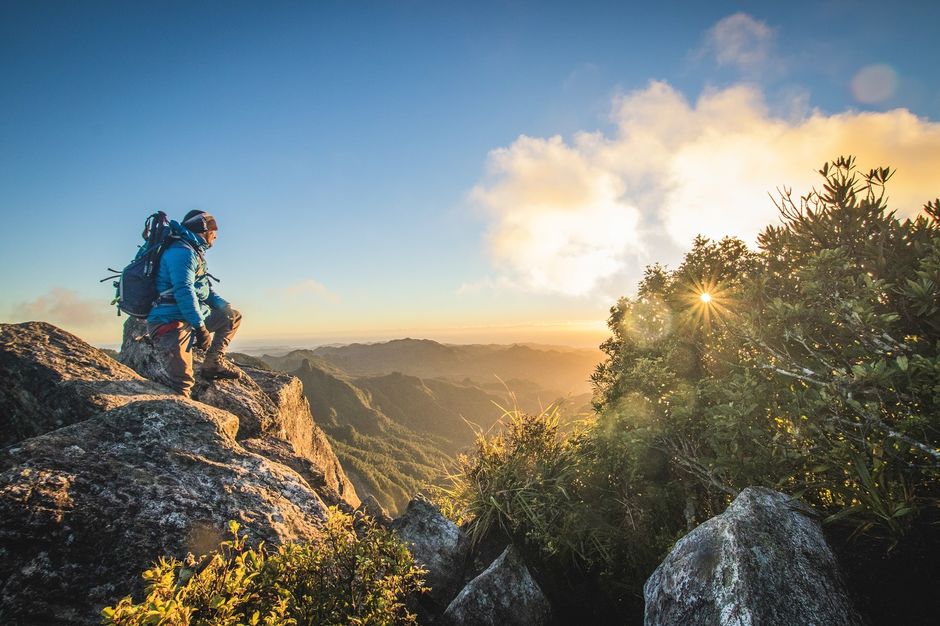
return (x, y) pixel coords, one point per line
(707, 301)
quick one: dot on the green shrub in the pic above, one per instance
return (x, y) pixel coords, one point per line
(515, 481)
(353, 572)
(811, 369)
(811, 366)
(576, 502)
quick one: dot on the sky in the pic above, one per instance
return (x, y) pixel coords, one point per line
(461, 171)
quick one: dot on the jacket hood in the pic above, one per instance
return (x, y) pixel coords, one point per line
(188, 236)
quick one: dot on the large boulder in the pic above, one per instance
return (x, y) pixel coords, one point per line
(763, 561)
(52, 379)
(271, 407)
(88, 507)
(438, 546)
(505, 594)
(243, 397)
(123, 471)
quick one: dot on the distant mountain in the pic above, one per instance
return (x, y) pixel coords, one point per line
(380, 456)
(242, 360)
(398, 412)
(434, 406)
(567, 371)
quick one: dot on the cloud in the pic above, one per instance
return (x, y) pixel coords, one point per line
(741, 41)
(874, 83)
(311, 287)
(560, 223)
(578, 217)
(64, 307)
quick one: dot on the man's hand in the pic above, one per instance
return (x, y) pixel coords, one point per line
(201, 338)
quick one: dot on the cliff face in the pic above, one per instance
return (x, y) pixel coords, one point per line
(108, 470)
(272, 410)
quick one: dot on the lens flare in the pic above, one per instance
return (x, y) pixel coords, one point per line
(708, 302)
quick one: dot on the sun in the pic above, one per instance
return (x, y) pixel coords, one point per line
(708, 302)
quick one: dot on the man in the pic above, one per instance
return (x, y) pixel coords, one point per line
(188, 310)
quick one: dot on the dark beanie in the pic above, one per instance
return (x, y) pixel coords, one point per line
(199, 221)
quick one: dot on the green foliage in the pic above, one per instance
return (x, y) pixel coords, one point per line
(516, 481)
(560, 495)
(811, 366)
(814, 368)
(353, 572)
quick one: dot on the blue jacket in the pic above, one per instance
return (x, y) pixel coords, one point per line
(183, 274)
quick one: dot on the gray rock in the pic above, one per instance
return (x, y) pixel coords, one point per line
(52, 378)
(88, 507)
(437, 545)
(243, 397)
(764, 561)
(374, 509)
(295, 425)
(269, 405)
(124, 471)
(280, 451)
(505, 594)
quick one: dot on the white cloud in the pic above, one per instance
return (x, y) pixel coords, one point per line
(64, 307)
(741, 41)
(560, 221)
(573, 217)
(311, 287)
(874, 83)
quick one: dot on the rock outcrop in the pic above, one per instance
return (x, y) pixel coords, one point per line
(374, 509)
(52, 379)
(763, 561)
(271, 408)
(122, 471)
(88, 507)
(505, 594)
(438, 546)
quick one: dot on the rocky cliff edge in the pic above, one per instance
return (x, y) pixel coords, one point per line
(103, 470)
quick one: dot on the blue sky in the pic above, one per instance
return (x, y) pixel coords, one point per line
(368, 162)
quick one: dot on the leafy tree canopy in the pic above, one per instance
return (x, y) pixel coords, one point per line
(811, 365)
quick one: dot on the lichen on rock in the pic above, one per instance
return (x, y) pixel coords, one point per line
(763, 561)
(107, 471)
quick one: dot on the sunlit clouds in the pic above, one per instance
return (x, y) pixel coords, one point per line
(65, 307)
(569, 217)
(560, 221)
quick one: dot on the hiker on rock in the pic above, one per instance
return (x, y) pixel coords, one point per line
(188, 310)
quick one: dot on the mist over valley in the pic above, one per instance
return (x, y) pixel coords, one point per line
(398, 412)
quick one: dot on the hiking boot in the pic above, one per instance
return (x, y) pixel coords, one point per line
(216, 366)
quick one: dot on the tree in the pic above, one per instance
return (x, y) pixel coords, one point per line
(812, 367)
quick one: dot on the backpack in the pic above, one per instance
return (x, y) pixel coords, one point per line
(136, 290)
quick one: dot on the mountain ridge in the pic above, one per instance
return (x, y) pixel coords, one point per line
(552, 369)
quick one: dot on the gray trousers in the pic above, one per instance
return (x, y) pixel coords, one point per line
(174, 345)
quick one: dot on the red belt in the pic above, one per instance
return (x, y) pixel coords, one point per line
(165, 328)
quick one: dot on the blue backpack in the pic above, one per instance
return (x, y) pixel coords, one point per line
(136, 284)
